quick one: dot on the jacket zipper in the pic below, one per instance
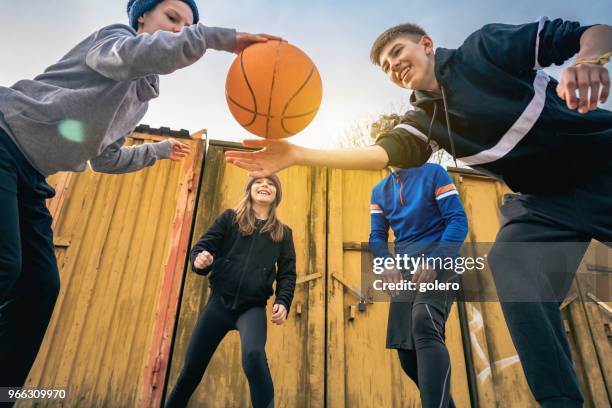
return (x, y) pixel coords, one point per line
(246, 264)
(399, 180)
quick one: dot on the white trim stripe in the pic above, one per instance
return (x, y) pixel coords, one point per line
(416, 132)
(519, 129)
(448, 193)
(376, 212)
(541, 22)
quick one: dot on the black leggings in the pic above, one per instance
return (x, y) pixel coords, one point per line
(432, 373)
(213, 324)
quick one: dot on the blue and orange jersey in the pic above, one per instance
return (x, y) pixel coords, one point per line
(420, 204)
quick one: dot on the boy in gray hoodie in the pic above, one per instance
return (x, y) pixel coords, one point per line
(80, 110)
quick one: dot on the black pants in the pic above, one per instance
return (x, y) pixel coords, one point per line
(569, 221)
(29, 278)
(429, 365)
(215, 321)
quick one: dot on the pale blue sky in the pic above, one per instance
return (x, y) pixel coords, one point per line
(336, 34)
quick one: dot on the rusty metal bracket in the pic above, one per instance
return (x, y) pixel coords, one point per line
(308, 278)
(600, 303)
(350, 287)
(567, 301)
(62, 242)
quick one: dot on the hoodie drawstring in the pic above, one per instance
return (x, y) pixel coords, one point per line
(431, 122)
(448, 128)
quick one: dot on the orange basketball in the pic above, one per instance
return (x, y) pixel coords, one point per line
(273, 89)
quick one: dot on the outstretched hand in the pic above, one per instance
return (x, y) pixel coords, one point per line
(243, 40)
(274, 156)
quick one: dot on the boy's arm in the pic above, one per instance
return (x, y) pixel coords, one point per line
(211, 241)
(379, 230)
(286, 276)
(120, 55)
(398, 148)
(525, 47)
(450, 207)
(118, 159)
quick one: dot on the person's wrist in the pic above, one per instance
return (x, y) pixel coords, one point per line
(592, 57)
(300, 155)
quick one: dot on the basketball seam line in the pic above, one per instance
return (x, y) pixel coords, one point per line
(293, 97)
(272, 90)
(250, 90)
(271, 116)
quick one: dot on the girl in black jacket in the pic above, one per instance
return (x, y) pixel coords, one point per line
(245, 250)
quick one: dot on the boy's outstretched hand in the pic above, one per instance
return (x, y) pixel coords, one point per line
(178, 150)
(243, 40)
(274, 156)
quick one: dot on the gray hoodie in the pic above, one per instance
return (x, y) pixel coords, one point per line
(83, 107)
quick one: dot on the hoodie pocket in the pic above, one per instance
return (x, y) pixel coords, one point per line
(257, 283)
(226, 274)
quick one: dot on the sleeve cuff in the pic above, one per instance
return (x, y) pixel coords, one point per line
(161, 150)
(222, 39)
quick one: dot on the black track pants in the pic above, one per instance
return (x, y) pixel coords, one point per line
(213, 324)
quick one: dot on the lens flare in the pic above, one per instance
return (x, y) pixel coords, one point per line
(72, 130)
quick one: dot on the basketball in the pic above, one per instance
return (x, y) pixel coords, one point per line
(273, 89)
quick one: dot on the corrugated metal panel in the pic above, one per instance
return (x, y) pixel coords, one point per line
(497, 371)
(113, 235)
(121, 244)
(295, 350)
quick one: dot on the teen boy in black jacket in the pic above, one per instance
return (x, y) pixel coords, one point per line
(490, 104)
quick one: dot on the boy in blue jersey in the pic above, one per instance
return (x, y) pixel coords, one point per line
(79, 112)
(492, 106)
(422, 207)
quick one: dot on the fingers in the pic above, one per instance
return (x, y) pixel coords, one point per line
(270, 37)
(595, 87)
(183, 147)
(582, 76)
(397, 278)
(424, 276)
(280, 314)
(568, 88)
(239, 155)
(604, 78)
(178, 150)
(246, 165)
(259, 174)
(256, 142)
(203, 260)
(392, 277)
(590, 82)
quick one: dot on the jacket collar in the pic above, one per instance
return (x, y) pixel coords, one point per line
(420, 99)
